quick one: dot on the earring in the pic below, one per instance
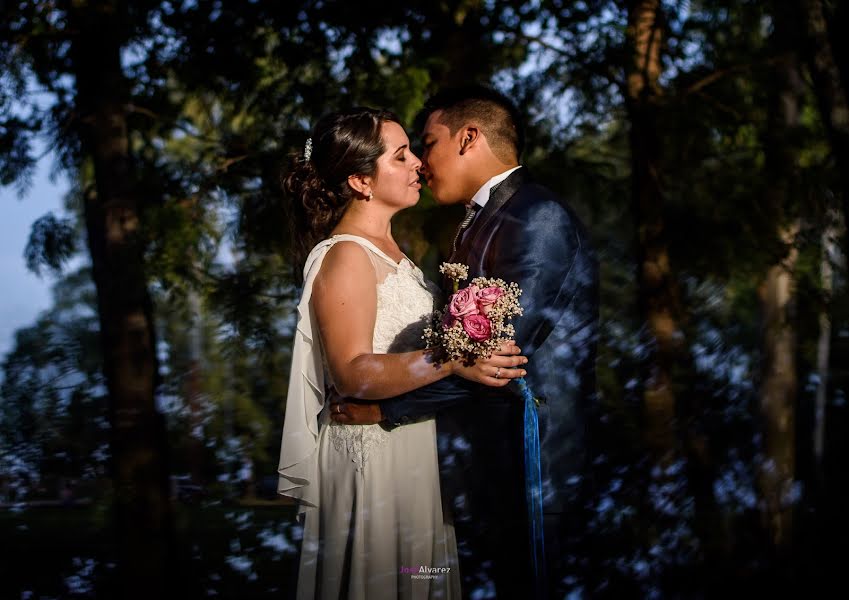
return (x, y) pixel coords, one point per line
(370, 196)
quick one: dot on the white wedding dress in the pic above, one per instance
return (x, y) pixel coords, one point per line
(371, 500)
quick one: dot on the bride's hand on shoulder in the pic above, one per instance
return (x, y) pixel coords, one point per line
(495, 371)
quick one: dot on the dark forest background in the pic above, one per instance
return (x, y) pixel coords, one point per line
(704, 143)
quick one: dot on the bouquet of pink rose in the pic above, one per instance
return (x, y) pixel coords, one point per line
(475, 321)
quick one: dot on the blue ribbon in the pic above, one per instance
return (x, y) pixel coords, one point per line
(533, 486)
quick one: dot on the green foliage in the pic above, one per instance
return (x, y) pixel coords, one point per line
(52, 416)
(51, 243)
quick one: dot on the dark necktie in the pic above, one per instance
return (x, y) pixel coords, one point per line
(471, 209)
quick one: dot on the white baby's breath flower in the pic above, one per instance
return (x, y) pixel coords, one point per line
(455, 271)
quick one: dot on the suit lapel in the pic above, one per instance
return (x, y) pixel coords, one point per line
(505, 190)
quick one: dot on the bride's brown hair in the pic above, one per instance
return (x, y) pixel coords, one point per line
(344, 143)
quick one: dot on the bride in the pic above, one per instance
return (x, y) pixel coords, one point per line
(369, 498)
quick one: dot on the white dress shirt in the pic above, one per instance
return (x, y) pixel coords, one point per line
(481, 197)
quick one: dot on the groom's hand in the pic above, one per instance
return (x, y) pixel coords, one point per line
(355, 413)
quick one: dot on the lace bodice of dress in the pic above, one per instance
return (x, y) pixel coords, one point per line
(405, 302)
(404, 307)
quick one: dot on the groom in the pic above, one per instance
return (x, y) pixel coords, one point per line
(520, 231)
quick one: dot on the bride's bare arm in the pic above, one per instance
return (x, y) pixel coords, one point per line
(344, 297)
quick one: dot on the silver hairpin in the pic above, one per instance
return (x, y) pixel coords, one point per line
(308, 150)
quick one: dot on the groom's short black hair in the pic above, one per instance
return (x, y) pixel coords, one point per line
(492, 111)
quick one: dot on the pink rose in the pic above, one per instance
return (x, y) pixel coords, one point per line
(463, 302)
(477, 327)
(486, 297)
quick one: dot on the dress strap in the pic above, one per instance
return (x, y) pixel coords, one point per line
(347, 237)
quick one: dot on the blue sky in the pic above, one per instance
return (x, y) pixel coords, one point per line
(24, 295)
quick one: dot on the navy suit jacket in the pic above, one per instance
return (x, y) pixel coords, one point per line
(529, 235)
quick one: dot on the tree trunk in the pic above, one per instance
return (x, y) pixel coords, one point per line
(657, 290)
(778, 390)
(457, 23)
(830, 88)
(193, 389)
(829, 236)
(778, 397)
(838, 21)
(139, 470)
